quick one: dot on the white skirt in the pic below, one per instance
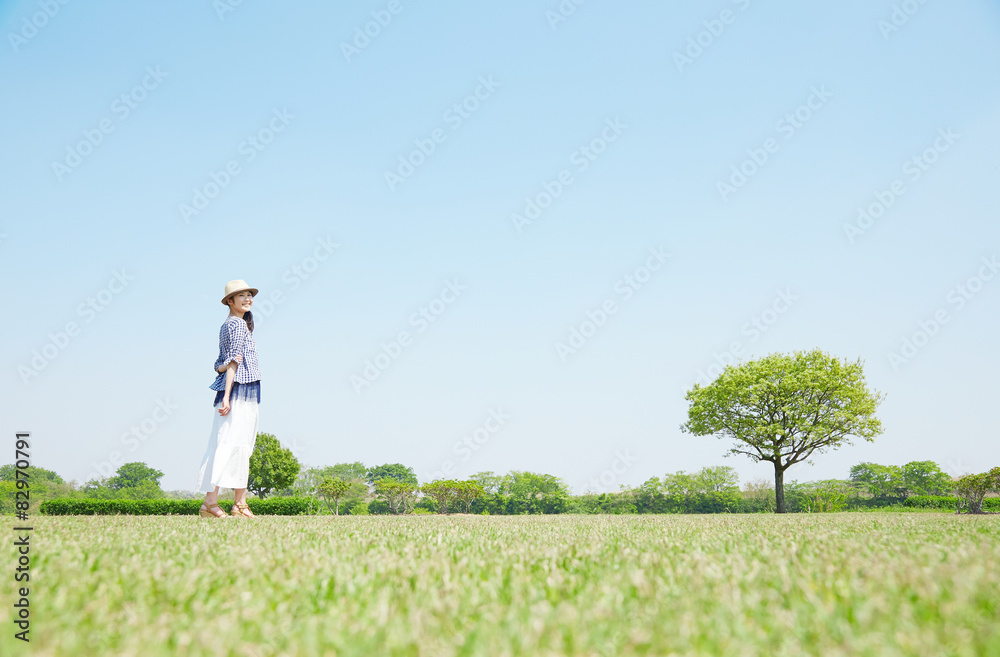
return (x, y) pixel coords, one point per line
(226, 463)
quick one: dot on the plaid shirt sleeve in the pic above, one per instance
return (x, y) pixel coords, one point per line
(235, 338)
(233, 341)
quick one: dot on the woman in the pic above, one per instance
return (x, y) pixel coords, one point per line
(227, 460)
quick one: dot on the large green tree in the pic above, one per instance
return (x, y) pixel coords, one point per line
(785, 408)
(881, 481)
(926, 478)
(272, 467)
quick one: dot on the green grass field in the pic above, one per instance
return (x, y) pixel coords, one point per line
(831, 585)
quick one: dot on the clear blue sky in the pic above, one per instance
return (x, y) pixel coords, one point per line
(173, 93)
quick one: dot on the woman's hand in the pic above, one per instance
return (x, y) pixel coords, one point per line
(224, 409)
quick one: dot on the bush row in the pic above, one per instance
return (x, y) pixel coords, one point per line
(947, 503)
(276, 506)
(494, 504)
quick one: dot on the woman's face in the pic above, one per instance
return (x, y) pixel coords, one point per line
(241, 301)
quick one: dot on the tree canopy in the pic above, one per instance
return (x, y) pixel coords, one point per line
(309, 479)
(348, 471)
(523, 483)
(881, 481)
(926, 478)
(397, 494)
(489, 482)
(35, 474)
(134, 475)
(272, 467)
(333, 489)
(973, 488)
(450, 493)
(398, 471)
(785, 408)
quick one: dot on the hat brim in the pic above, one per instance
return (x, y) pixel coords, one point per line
(225, 300)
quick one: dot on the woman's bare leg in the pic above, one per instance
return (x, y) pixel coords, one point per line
(240, 497)
(210, 499)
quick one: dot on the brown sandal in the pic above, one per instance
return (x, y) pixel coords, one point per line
(240, 510)
(206, 511)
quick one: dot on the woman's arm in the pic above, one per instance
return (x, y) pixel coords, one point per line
(232, 340)
(223, 368)
(230, 375)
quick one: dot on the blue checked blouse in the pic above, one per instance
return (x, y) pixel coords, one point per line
(235, 338)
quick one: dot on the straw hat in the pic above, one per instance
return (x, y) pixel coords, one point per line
(232, 287)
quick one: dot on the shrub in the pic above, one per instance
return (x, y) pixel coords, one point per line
(378, 507)
(281, 506)
(947, 502)
(972, 489)
(610, 503)
(284, 506)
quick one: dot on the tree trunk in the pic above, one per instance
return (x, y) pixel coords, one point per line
(779, 489)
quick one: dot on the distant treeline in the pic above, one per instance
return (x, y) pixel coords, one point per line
(354, 489)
